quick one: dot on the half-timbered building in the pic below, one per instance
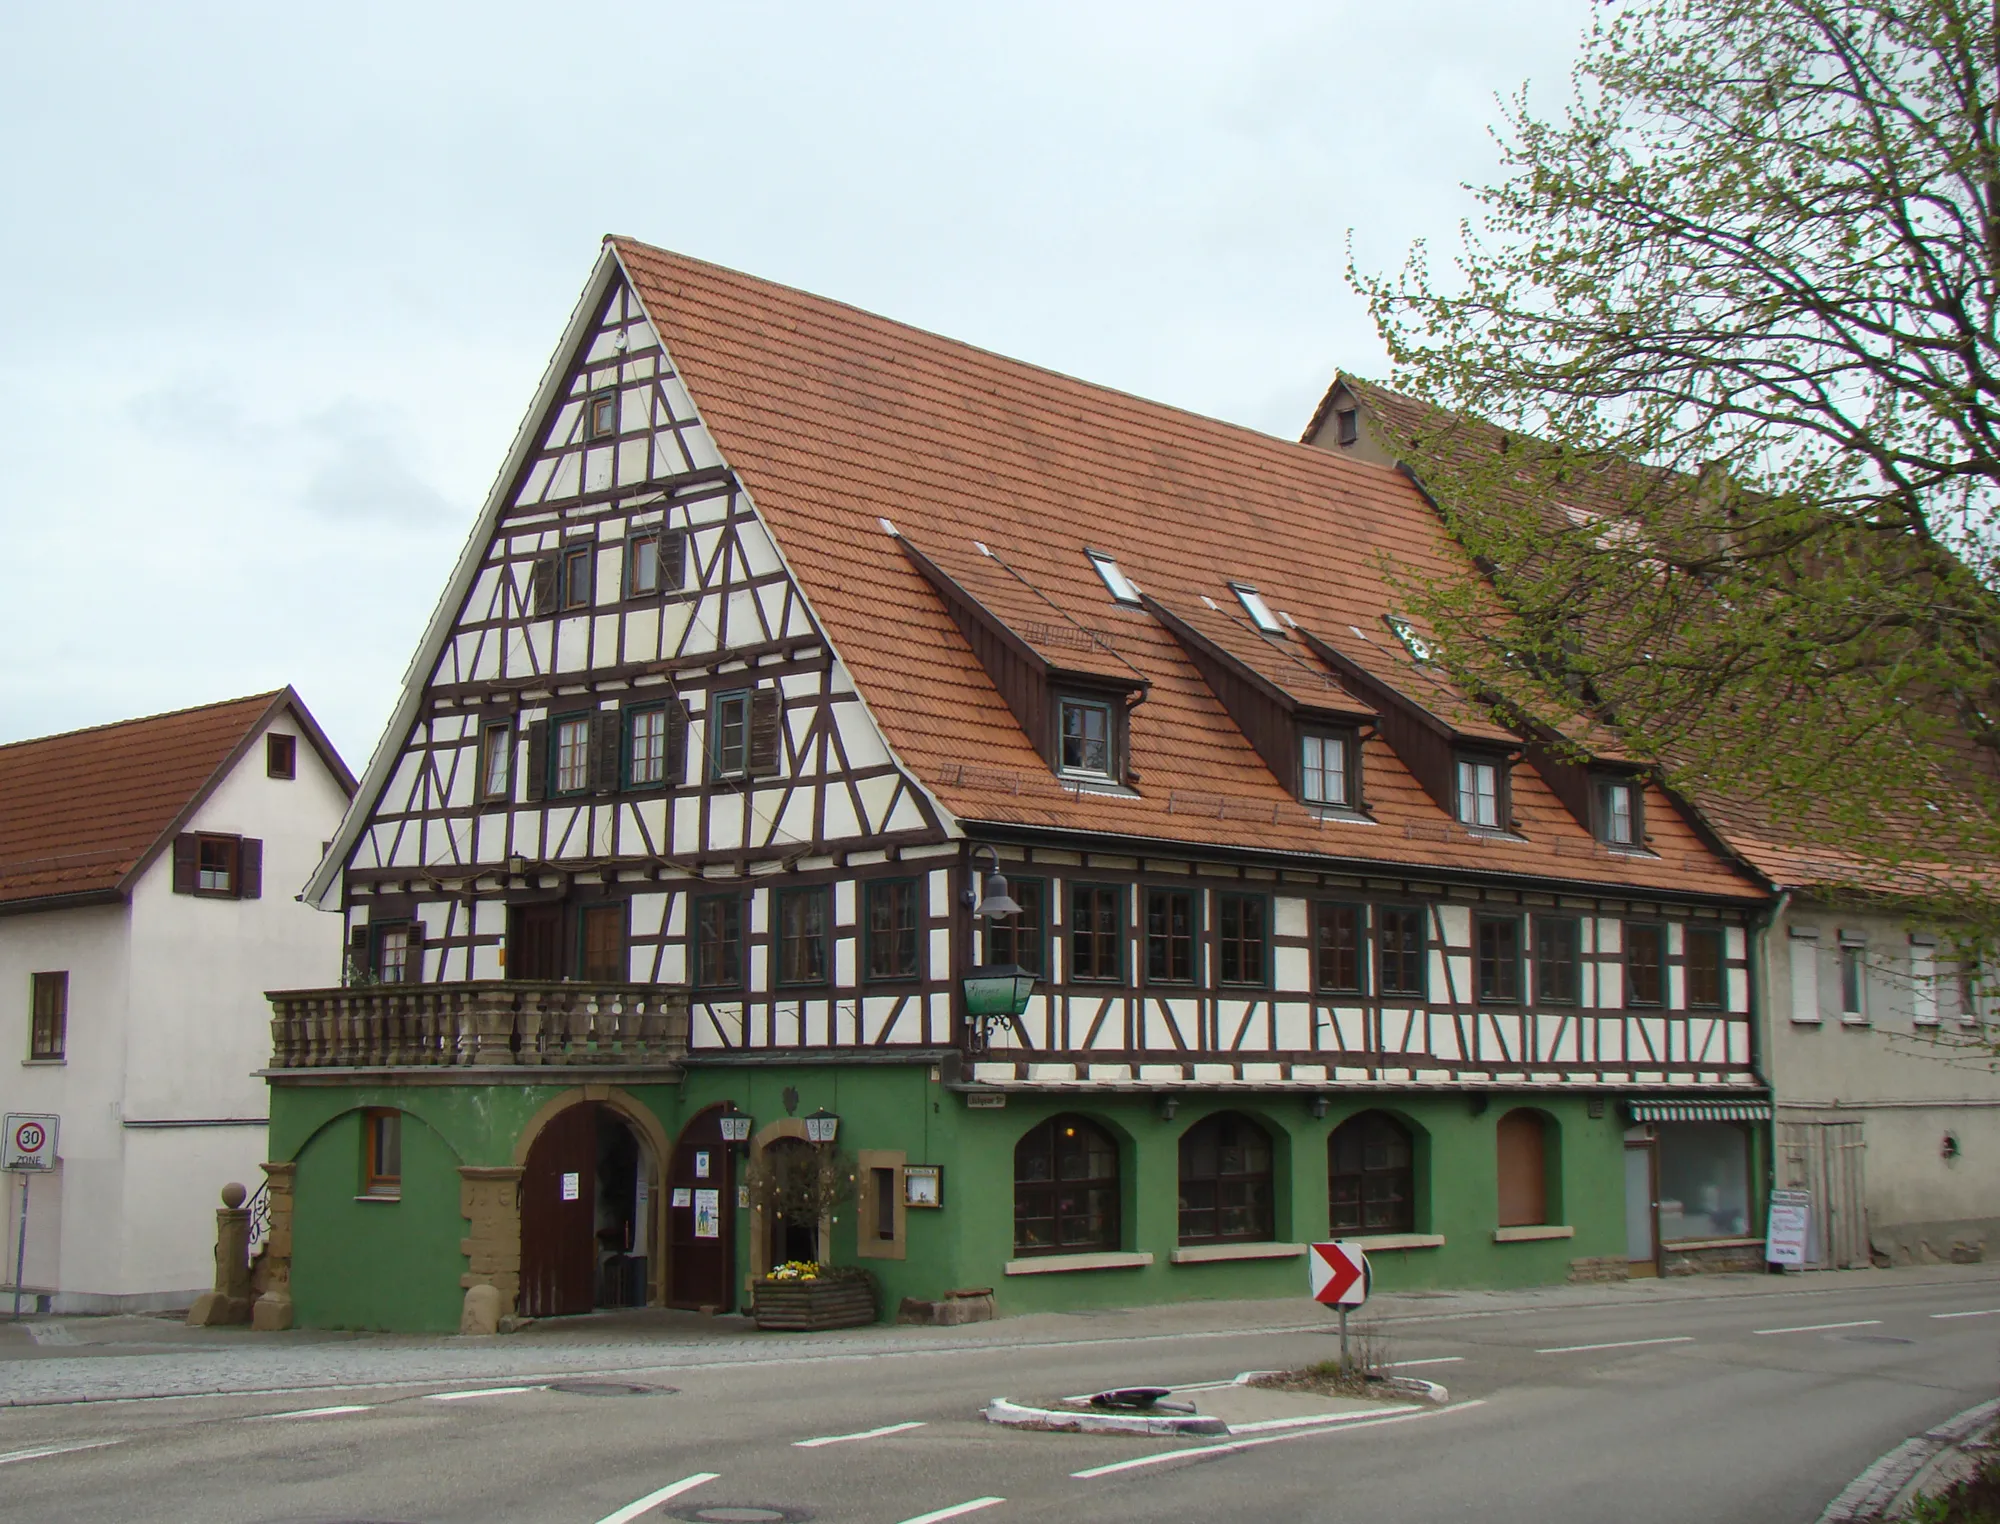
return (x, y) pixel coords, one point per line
(784, 626)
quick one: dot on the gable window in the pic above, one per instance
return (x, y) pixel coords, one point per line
(646, 747)
(1096, 932)
(1617, 813)
(1065, 1188)
(1240, 938)
(1853, 976)
(382, 1153)
(892, 930)
(1371, 1176)
(1703, 967)
(602, 415)
(1402, 952)
(1346, 425)
(1086, 736)
(219, 867)
(571, 755)
(802, 936)
(215, 872)
(729, 734)
(1645, 964)
(602, 958)
(1255, 606)
(718, 941)
(1170, 934)
(1226, 1189)
(48, 1029)
(576, 567)
(397, 958)
(281, 756)
(654, 560)
(496, 759)
(1323, 770)
(1115, 581)
(1558, 947)
(1022, 939)
(1337, 947)
(1499, 958)
(1479, 793)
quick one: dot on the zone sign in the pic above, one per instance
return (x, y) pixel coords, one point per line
(30, 1141)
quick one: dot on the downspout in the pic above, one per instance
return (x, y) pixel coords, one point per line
(1761, 928)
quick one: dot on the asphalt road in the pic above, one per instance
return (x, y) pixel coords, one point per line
(1756, 1408)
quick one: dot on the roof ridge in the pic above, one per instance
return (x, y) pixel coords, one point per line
(266, 699)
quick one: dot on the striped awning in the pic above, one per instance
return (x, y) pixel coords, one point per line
(1700, 1111)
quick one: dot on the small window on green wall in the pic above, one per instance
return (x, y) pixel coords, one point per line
(382, 1153)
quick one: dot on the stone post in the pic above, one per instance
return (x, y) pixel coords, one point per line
(229, 1301)
(273, 1310)
(489, 1198)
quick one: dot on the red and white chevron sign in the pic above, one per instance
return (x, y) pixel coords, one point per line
(1339, 1274)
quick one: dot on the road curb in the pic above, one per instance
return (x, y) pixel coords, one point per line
(1014, 1416)
(1869, 1496)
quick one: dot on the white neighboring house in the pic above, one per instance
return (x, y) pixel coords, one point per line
(148, 880)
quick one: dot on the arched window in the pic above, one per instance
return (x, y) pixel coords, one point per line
(1065, 1188)
(1226, 1182)
(1521, 1146)
(1371, 1185)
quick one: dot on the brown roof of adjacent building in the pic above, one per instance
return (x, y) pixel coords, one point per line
(83, 813)
(836, 420)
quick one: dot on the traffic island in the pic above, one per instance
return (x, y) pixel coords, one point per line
(1213, 1408)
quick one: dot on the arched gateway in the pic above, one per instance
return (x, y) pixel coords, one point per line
(586, 1214)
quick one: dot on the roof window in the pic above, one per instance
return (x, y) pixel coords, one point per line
(1420, 649)
(1258, 610)
(1119, 584)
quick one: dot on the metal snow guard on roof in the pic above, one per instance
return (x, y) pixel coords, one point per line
(1700, 1111)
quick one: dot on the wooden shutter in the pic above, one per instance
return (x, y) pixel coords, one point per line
(413, 959)
(543, 584)
(250, 869)
(766, 719)
(677, 742)
(673, 558)
(187, 864)
(538, 759)
(607, 735)
(357, 953)
(1523, 1180)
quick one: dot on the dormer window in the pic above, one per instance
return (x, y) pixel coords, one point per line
(1347, 425)
(1420, 649)
(1087, 739)
(1326, 769)
(1258, 610)
(1119, 585)
(1481, 783)
(1617, 801)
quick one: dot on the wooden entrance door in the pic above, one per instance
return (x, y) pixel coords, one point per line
(535, 942)
(559, 1216)
(701, 1218)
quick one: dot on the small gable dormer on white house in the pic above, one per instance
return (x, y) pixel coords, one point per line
(149, 878)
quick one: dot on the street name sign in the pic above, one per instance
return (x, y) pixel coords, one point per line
(1339, 1274)
(29, 1141)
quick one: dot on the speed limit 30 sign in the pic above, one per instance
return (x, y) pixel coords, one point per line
(28, 1141)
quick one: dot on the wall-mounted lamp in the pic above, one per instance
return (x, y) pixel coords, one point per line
(822, 1126)
(517, 866)
(735, 1124)
(1169, 1104)
(1320, 1107)
(1950, 1148)
(988, 896)
(1476, 1104)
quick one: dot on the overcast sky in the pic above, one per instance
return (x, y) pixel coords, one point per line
(277, 286)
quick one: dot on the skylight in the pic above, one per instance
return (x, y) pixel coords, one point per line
(1120, 585)
(1258, 610)
(1415, 644)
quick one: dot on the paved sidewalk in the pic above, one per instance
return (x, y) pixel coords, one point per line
(78, 1359)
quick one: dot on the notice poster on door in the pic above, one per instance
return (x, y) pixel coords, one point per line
(683, 1196)
(708, 1214)
(701, 1164)
(572, 1186)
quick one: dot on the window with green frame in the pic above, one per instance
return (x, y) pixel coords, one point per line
(1022, 939)
(892, 936)
(1096, 932)
(647, 750)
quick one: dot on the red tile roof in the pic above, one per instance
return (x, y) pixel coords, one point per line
(835, 419)
(81, 814)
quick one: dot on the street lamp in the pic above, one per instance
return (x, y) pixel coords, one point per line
(735, 1124)
(822, 1126)
(989, 899)
(995, 992)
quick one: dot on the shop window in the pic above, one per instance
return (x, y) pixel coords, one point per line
(1522, 1144)
(1065, 1188)
(1022, 939)
(1371, 1176)
(1226, 1192)
(382, 1153)
(1704, 1180)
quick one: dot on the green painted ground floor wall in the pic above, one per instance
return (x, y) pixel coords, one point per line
(398, 1264)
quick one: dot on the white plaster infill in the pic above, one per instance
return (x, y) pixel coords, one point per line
(1376, 1242)
(1056, 1264)
(1531, 1234)
(1202, 1254)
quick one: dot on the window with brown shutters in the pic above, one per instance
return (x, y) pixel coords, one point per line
(1521, 1143)
(356, 969)
(538, 760)
(250, 868)
(542, 585)
(767, 707)
(605, 726)
(398, 952)
(570, 771)
(220, 867)
(673, 558)
(578, 562)
(603, 938)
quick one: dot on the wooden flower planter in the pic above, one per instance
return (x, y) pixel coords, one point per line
(828, 1302)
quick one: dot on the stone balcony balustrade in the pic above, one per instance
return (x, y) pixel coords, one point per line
(484, 1024)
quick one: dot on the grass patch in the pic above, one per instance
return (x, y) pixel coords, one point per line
(1327, 1378)
(1973, 1499)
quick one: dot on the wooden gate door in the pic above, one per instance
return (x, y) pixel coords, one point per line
(1826, 1159)
(701, 1218)
(535, 942)
(559, 1216)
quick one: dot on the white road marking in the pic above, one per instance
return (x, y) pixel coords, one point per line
(653, 1500)
(1163, 1456)
(944, 1513)
(1398, 1365)
(1577, 1349)
(1987, 1312)
(484, 1391)
(1819, 1327)
(349, 1407)
(40, 1450)
(841, 1439)
(1309, 1420)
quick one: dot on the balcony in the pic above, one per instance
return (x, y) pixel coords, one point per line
(487, 1024)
